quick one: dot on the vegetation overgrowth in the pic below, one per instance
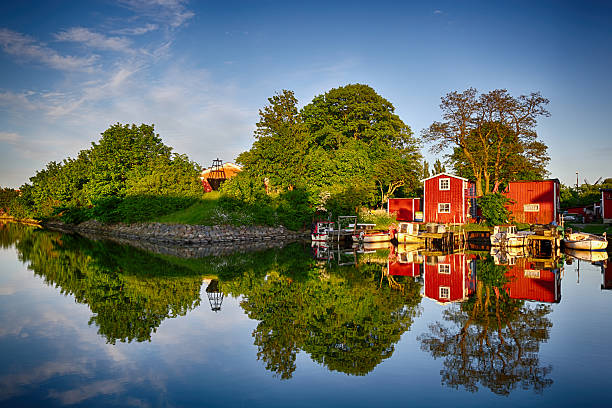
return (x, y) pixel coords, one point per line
(345, 150)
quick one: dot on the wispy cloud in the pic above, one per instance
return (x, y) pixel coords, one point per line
(437, 12)
(173, 12)
(27, 48)
(9, 137)
(137, 30)
(94, 40)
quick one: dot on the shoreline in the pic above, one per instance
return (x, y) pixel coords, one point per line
(179, 234)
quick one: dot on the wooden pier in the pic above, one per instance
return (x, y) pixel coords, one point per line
(444, 241)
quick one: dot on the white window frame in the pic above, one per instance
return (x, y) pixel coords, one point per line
(445, 289)
(440, 211)
(444, 269)
(444, 181)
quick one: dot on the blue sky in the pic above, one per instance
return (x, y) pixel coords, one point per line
(201, 70)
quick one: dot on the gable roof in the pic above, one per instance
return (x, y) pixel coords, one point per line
(444, 174)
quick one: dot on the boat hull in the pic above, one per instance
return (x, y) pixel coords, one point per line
(408, 238)
(378, 237)
(585, 242)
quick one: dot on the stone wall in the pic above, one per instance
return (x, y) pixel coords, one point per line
(181, 234)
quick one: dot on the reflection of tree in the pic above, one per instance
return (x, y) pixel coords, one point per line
(492, 339)
(130, 292)
(344, 322)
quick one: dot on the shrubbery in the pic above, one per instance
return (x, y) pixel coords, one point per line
(493, 208)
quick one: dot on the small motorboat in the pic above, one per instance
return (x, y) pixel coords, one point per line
(374, 236)
(585, 242)
(508, 236)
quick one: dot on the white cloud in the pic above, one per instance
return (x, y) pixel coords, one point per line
(94, 40)
(25, 47)
(173, 12)
(137, 30)
(437, 12)
(9, 137)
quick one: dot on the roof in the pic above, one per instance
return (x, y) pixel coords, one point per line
(230, 170)
(444, 174)
(534, 181)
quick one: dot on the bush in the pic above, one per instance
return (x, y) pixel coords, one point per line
(294, 209)
(493, 208)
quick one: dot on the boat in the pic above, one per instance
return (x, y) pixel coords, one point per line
(585, 241)
(374, 236)
(589, 256)
(508, 236)
(408, 232)
(322, 231)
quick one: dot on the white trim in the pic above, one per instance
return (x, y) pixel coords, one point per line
(444, 174)
(464, 185)
(555, 201)
(425, 202)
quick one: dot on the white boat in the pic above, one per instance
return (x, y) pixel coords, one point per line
(322, 231)
(374, 236)
(589, 256)
(508, 236)
(408, 232)
(585, 242)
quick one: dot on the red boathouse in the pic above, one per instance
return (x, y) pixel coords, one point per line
(405, 209)
(534, 202)
(448, 199)
(606, 205)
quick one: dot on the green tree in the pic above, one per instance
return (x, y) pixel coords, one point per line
(279, 151)
(438, 167)
(486, 128)
(493, 208)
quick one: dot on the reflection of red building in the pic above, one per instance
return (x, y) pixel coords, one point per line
(530, 281)
(405, 264)
(449, 278)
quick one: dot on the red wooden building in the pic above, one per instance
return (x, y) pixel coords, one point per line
(606, 205)
(405, 209)
(448, 199)
(534, 202)
(449, 278)
(530, 281)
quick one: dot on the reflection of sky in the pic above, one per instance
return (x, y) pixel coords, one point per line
(51, 354)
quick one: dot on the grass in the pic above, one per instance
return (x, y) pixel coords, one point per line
(598, 229)
(208, 211)
(379, 217)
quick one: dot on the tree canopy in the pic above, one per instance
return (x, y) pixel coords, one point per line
(492, 135)
(349, 135)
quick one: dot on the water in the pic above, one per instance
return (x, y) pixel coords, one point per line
(93, 323)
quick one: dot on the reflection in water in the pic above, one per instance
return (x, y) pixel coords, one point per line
(492, 337)
(342, 316)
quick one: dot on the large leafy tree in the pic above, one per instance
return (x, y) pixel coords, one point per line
(279, 151)
(346, 134)
(490, 130)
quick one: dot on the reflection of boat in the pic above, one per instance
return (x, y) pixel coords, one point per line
(585, 241)
(322, 231)
(408, 232)
(372, 246)
(408, 247)
(589, 256)
(507, 235)
(508, 255)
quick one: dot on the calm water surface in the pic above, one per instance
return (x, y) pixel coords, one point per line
(93, 323)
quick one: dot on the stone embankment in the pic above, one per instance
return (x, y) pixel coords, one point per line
(177, 234)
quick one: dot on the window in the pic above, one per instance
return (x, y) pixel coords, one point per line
(444, 268)
(444, 184)
(444, 207)
(444, 292)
